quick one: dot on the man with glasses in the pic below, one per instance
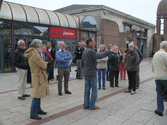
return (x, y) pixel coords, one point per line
(21, 64)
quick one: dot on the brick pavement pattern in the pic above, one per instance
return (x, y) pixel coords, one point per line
(116, 107)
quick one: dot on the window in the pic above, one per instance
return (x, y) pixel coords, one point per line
(89, 23)
(162, 26)
(22, 28)
(41, 31)
(5, 27)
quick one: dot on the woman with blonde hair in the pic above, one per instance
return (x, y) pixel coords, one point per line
(101, 67)
(40, 87)
(108, 65)
(122, 61)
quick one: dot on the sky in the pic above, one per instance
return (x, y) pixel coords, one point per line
(143, 9)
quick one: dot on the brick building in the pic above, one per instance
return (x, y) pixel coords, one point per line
(116, 27)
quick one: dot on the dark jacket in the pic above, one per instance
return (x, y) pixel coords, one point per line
(140, 54)
(131, 61)
(89, 59)
(20, 61)
(78, 53)
(53, 51)
(114, 60)
(47, 58)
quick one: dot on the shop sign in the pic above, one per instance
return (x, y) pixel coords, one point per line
(62, 33)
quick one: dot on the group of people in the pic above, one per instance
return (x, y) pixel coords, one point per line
(40, 58)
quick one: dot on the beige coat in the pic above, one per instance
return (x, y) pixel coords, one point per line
(102, 63)
(40, 87)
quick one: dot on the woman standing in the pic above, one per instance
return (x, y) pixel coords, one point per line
(122, 61)
(101, 67)
(108, 65)
(114, 60)
(47, 59)
(131, 63)
(40, 87)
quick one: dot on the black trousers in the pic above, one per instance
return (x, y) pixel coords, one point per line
(114, 74)
(132, 80)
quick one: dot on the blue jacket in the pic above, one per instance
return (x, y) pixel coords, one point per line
(63, 58)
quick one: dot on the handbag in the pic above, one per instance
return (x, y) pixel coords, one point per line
(74, 60)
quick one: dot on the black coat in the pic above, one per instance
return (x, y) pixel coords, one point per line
(53, 51)
(20, 61)
(78, 53)
(114, 60)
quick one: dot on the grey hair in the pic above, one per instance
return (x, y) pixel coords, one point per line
(43, 45)
(115, 46)
(163, 44)
(20, 42)
(36, 43)
(83, 43)
(60, 44)
(131, 44)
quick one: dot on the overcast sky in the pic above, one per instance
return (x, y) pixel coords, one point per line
(143, 9)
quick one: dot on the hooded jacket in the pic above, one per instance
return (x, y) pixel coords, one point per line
(40, 87)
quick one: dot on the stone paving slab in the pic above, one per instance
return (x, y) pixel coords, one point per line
(119, 108)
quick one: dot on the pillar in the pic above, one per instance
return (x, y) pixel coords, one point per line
(158, 34)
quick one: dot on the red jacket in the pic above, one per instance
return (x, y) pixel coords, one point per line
(47, 51)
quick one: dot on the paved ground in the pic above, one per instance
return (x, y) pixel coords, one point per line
(116, 107)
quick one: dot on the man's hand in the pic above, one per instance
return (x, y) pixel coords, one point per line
(111, 50)
(62, 57)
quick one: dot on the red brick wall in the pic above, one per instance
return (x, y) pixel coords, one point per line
(109, 32)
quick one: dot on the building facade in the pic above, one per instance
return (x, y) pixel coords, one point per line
(115, 27)
(25, 22)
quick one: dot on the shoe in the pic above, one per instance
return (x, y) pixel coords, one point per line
(21, 98)
(60, 94)
(133, 92)
(158, 113)
(96, 107)
(26, 95)
(85, 107)
(52, 80)
(35, 117)
(104, 88)
(127, 91)
(42, 113)
(99, 88)
(68, 92)
(112, 86)
(117, 86)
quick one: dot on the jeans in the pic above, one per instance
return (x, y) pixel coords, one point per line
(35, 106)
(79, 69)
(103, 77)
(90, 83)
(132, 80)
(108, 70)
(161, 85)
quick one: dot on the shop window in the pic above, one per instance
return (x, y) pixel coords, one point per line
(41, 31)
(22, 28)
(5, 27)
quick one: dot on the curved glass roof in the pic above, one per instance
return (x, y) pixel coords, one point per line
(23, 13)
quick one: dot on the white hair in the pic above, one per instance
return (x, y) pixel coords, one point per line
(36, 43)
(131, 44)
(19, 42)
(115, 46)
(83, 43)
(163, 44)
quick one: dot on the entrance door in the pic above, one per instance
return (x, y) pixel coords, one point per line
(1, 59)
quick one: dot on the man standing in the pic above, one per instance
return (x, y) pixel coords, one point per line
(138, 68)
(51, 51)
(159, 64)
(21, 64)
(63, 57)
(89, 58)
(78, 54)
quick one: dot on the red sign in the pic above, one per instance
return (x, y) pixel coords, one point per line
(62, 33)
